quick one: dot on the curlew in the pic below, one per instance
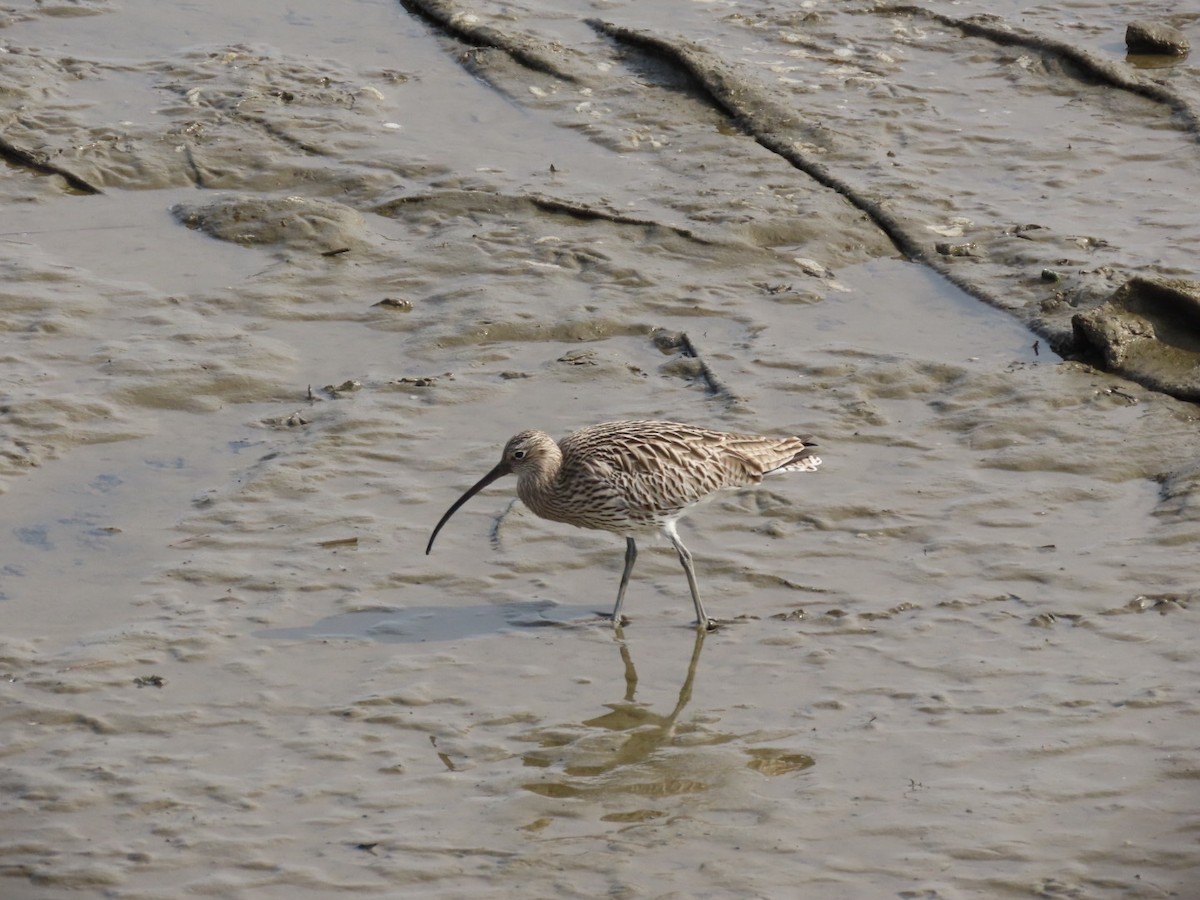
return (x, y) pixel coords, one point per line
(632, 478)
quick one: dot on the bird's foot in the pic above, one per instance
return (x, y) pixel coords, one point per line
(616, 623)
(708, 625)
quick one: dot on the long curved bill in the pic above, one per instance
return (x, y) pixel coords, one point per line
(502, 469)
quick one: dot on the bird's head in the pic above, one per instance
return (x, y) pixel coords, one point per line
(530, 454)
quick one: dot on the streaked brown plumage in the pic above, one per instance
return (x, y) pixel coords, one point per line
(634, 477)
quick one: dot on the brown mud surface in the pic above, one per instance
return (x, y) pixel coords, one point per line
(278, 285)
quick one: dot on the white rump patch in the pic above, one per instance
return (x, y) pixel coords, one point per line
(808, 464)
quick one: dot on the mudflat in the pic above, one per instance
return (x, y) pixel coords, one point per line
(280, 283)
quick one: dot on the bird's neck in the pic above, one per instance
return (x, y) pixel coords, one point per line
(537, 487)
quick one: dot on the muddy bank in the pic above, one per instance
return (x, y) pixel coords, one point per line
(1007, 221)
(983, 258)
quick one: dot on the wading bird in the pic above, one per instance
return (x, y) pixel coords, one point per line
(633, 478)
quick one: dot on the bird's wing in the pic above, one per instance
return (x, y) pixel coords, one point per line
(653, 468)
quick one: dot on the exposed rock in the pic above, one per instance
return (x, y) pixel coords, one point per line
(1155, 37)
(1148, 331)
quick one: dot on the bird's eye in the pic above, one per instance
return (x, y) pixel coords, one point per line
(519, 455)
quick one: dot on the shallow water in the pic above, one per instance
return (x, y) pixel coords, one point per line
(957, 660)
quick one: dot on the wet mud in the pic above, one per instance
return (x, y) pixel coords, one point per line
(278, 287)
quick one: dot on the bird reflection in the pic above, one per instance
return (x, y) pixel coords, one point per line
(644, 730)
(622, 746)
(633, 751)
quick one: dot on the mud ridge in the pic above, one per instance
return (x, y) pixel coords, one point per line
(454, 23)
(38, 163)
(1100, 69)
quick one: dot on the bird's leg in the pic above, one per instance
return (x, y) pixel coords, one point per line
(702, 619)
(630, 559)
